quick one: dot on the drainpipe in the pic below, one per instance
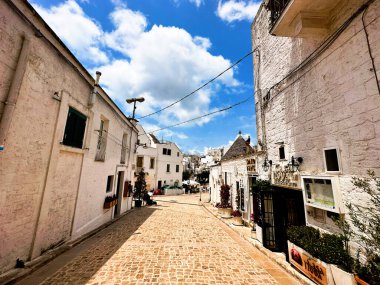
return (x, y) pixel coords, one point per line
(11, 100)
(92, 98)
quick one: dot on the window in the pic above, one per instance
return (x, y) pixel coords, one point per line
(281, 152)
(178, 154)
(123, 148)
(169, 152)
(331, 159)
(140, 161)
(109, 183)
(164, 151)
(102, 141)
(151, 163)
(167, 167)
(177, 168)
(75, 128)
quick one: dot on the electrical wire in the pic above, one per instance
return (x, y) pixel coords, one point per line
(199, 88)
(200, 117)
(326, 44)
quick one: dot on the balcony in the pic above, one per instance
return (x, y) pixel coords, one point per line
(307, 18)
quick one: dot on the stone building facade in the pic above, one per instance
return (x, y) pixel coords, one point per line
(316, 70)
(65, 145)
(238, 170)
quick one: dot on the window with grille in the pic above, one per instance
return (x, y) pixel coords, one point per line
(102, 141)
(124, 149)
(75, 129)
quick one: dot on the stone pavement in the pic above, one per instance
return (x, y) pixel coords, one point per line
(175, 242)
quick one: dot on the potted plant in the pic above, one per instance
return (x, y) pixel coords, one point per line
(140, 188)
(225, 205)
(236, 217)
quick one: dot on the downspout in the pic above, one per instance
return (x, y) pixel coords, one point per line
(14, 90)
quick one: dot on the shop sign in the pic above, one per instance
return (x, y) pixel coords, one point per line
(251, 165)
(285, 177)
(313, 268)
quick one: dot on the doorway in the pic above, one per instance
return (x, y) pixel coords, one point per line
(280, 209)
(159, 184)
(119, 193)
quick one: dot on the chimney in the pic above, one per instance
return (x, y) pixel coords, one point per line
(92, 98)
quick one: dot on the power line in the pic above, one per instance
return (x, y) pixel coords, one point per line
(200, 117)
(199, 88)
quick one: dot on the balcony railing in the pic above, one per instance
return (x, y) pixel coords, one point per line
(276, 7)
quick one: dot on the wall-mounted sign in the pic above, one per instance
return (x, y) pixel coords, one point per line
(283, 176)
(313, 268)
(251, 165)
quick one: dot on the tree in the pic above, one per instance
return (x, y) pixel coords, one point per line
(367, 221)
(186, 174)
(364, 228)
(140, 185)
(203, 176)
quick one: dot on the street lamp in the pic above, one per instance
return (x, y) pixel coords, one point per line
(267, 164)
(134, 100)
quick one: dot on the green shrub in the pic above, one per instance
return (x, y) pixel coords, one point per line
(326, 247)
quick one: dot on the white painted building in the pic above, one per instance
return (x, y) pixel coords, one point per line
(317, 98)
(238, 170)
(162, 161)
(65, 143)
(169, 163)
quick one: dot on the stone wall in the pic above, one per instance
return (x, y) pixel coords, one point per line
(50, 193)
(332, 102)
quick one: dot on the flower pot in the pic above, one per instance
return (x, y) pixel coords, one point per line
(107, 205)
(237, 221)
(226, 212)
(360, 281)
(138, 203)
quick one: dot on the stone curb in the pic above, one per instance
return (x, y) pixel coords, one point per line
(14, 275)
(279, 260)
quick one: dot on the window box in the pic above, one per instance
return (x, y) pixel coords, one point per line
(109, 202)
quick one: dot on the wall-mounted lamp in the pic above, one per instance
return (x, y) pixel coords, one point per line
(267, 164)
(140, 144)
(295, 163)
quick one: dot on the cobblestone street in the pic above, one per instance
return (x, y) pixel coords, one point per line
(175, 242)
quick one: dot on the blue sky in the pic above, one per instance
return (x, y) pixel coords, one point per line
(163, 50)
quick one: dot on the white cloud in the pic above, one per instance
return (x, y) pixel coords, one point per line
(81, 33)
(161, 63)
(129, 27)
(165, 134)
(237, 10)
(197, 2)
(164, 64)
